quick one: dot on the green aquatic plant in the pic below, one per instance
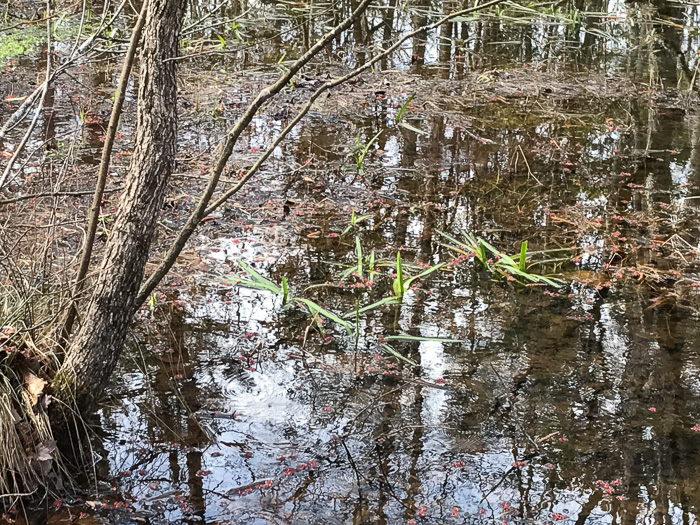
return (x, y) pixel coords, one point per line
(400, 286)
(18, 43)
(259, 282)
(365, 270)
(406, 125)
(402, 283)
(499, 263)
(361, 151)
(401, 111)
(363, 264)
(355, 220)
(236, 29)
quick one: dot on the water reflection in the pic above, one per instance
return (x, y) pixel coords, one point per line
(576, 408)
(580, 408)
(655, 42)
(342, 424)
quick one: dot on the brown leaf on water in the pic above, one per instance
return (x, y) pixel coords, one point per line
(34, 385)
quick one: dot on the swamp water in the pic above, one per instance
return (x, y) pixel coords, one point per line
(525, 404)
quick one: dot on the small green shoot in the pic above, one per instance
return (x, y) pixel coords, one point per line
(522, 263)
(285, 290)
(355, 220)
(152, 301)
(236, 31)
(498, 262)
(370, 267)
(398, 285)
(257, 281)
(402, 283)
(399, 116)
(361, 151)
(403, 108)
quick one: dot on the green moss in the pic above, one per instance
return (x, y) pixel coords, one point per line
(18, 43)
(25, 40)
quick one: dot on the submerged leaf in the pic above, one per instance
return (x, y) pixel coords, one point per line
(369, 307)
(406, 337)
(395, 353)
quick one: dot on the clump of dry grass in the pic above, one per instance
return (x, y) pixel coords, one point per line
(27, 447)
(14, 466)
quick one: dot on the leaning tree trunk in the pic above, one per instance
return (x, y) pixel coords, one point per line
(94, 352)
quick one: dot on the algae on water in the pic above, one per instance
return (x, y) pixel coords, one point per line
(18, 43)
(23, 41)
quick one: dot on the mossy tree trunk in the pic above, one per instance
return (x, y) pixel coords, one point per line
(93, 353)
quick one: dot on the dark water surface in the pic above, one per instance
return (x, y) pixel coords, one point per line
(578, 404)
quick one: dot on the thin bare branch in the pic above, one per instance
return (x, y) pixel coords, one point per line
(30, 129)
(199, 213)
(31, 196)
(19, 113)
(94, 214)
(232, 138)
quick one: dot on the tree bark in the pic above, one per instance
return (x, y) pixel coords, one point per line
(110, 135)
(93, 354)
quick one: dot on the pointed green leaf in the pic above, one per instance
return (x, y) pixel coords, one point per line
(406, 337)
(369, 307)
(423, 274)
(403, 108)
(259, 278)
(398, 284)
(413, 129)
(392, 351)
(314, 307)
(523, 256)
